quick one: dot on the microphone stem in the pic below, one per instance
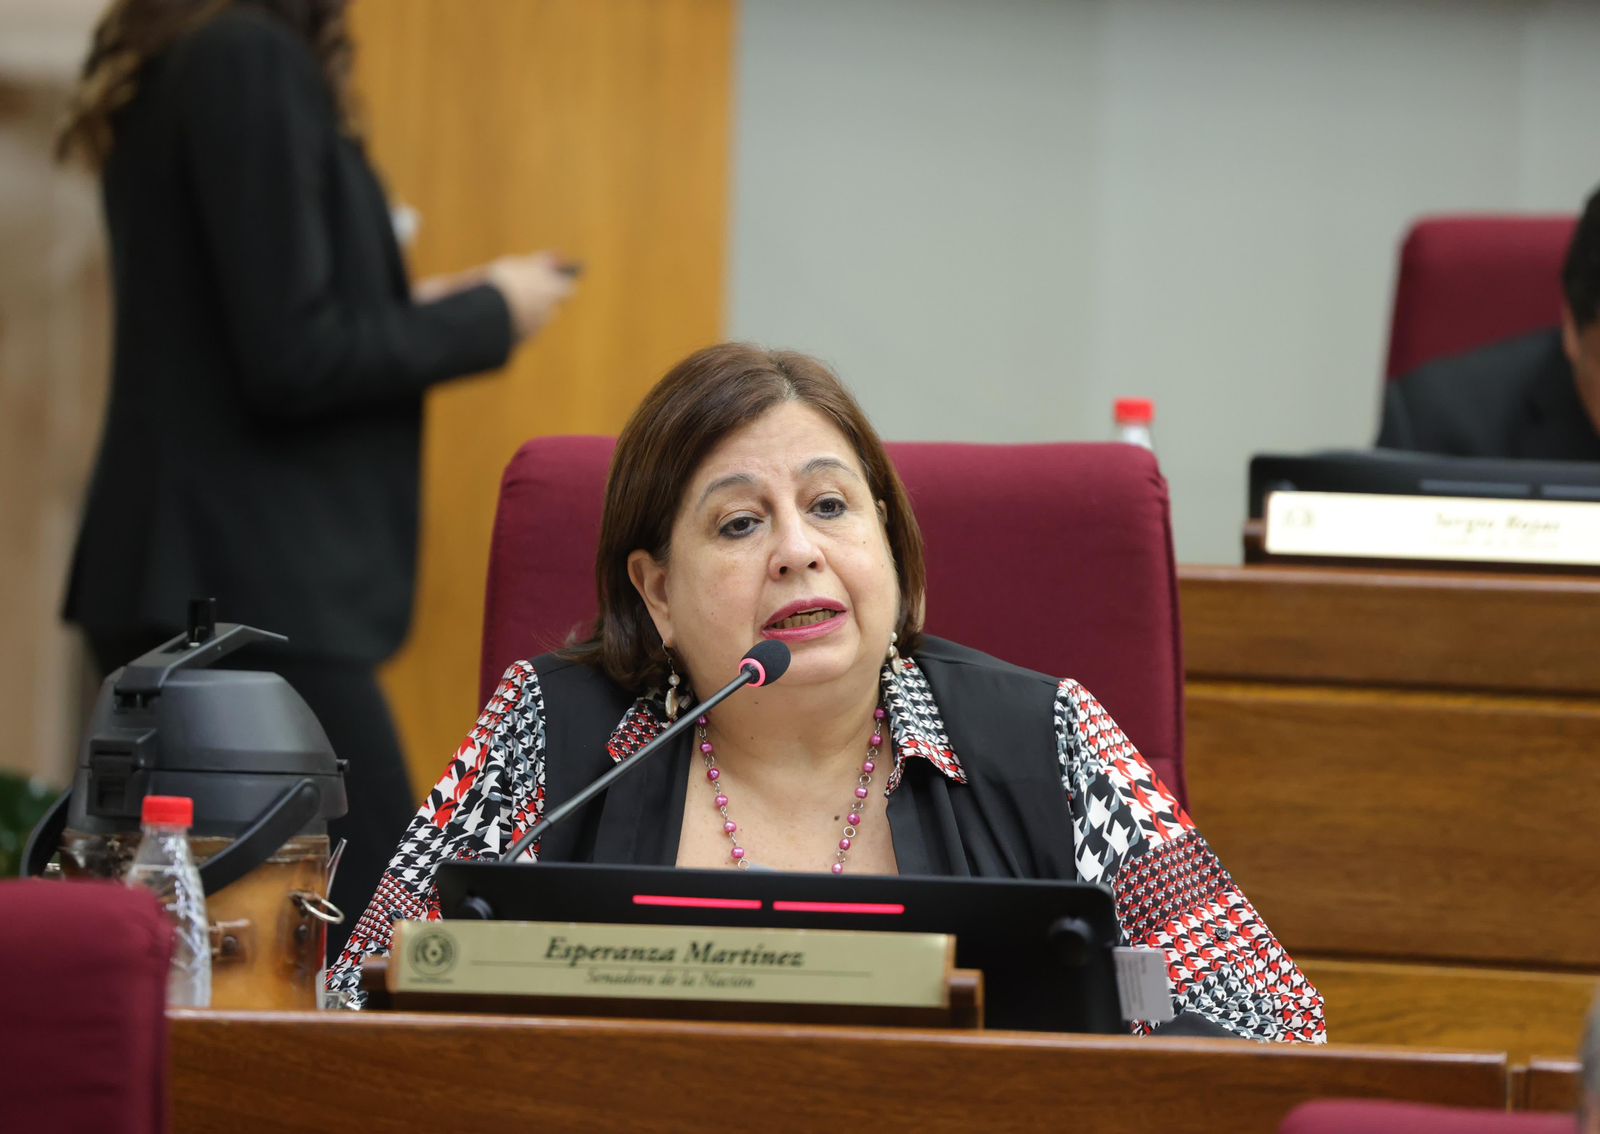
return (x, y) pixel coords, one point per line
(747, 674)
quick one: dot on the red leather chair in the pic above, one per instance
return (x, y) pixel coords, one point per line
(1054, 557)
(84, 1044)
(1348, 1116)
(1468, 281)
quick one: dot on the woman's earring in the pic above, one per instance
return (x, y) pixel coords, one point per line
(673, 681)
(895, 661)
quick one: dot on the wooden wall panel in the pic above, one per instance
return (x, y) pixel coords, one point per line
(597, 127)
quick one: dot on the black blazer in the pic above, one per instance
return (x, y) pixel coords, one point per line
(262, 438)
(1514, 399)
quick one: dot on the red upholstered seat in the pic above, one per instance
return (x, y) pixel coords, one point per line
(1055, 557)
(84, 1044)
(1345, 1116)
(1469, 281)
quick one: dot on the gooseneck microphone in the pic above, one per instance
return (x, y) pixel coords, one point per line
(765, 662)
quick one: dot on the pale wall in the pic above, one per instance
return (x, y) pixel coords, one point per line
(996, 217)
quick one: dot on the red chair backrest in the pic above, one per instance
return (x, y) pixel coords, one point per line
(84, 1043)
(1054, 557)
(1366, 1116)
(1468, 281)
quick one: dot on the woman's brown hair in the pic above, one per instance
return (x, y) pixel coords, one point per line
(700, 401)
(132, 32)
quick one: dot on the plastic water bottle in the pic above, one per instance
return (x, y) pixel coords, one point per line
(1133, 417)
(164, 865)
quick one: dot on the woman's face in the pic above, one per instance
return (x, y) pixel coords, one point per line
(777, 536)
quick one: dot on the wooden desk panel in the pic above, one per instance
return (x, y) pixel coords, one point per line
(1505, 633)
(1391, 824)
(1405, 766)
(1527, 1013)
(1549, 1084)
(397, 1073)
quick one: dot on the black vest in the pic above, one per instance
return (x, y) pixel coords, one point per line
(1009, 820)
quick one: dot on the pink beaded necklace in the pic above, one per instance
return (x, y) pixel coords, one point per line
(736, 853)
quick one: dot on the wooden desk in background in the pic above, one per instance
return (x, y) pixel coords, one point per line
(1548, 1085)
(1402, 770)
(400, 1073)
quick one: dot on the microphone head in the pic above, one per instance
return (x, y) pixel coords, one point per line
(769, 661)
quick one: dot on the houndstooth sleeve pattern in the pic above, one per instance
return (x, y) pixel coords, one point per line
(1170, 890)
(491, 791)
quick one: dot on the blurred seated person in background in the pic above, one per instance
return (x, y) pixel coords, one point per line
(1534, 397)
(748, 499)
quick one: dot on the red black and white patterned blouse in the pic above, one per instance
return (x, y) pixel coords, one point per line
(1113, 823)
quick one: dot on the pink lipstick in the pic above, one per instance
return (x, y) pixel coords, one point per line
(805, 619)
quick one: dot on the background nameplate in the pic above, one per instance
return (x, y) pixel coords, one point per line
(1380, 526)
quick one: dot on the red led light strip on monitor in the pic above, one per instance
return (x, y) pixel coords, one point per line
(679, 902)
(696, 903)
(840, 907)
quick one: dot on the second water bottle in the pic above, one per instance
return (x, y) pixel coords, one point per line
(164, 865)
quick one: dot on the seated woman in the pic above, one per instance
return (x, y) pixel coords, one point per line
(749, 498)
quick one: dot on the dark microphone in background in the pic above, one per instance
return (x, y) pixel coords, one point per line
(762, 665)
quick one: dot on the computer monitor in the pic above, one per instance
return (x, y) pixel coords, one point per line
(1400, 473)
(1045, 948)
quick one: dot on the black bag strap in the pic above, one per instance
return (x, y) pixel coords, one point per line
(46, 837)
(283, 818)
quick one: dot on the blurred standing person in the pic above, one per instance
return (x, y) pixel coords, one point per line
(262, 440)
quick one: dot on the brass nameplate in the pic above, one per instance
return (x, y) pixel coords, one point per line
(672, 962)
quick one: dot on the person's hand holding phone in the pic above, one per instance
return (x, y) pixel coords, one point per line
(533, 285)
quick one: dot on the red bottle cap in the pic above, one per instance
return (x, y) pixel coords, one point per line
(1135, 411)
(168, 810)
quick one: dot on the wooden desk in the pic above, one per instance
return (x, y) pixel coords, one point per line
(397, 1072)
(1403, 772)
(1547, 1084)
